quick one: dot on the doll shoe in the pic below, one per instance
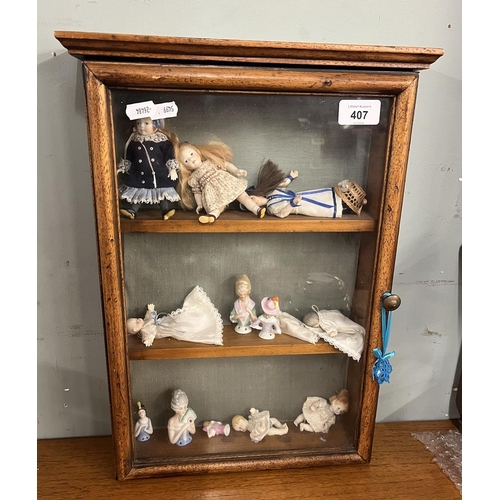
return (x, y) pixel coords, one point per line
(169, 214)
(130, 214)
(207, 219)
(261, 212)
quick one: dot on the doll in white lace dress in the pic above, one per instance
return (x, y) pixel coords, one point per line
(318, 414)
(260, 424)
(209, 182)
(150, 169)
(197, 321)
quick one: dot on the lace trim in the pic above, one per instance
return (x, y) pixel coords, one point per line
(154, 137)
(172, 165)
(218, 319)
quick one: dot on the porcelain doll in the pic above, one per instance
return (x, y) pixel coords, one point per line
(143, 426)
(210, 182)
(318, 414)
(181, 426)
(271, 191)
(243, 312)
(196, 321)
(338, 330)
(215, 428)
(260, 424)
(268, 323)
(151, 170)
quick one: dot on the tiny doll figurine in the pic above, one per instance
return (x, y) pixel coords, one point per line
(338, 330)
(209, 181)
(181, 425)
(260, 424)
(143, 426)
(215, 428)
(268, 322)
(270, 191)
(197, 321)
(318, 414)
(151, 168)
(243, 312)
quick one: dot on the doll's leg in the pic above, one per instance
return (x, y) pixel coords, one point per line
(131, 210)
(306, 427)
(165, 212)
(299, 419)
(278, 428)
(211, 217)
(250, 205)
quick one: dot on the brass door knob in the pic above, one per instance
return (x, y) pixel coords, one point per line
(391, 302)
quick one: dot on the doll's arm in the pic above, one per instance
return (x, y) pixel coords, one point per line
(199, 204)
(237, 172)
(173, 167)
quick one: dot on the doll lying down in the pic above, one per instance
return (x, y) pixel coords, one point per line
(197, 321)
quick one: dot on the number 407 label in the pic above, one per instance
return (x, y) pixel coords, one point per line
(359, 112)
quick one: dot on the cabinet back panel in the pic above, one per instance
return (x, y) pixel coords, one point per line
(279, 384)
(302, 269)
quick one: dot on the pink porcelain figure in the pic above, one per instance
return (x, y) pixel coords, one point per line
(268, 322)
(216, 428)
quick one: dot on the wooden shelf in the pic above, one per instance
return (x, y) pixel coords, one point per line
(234, 221)
(235, 345)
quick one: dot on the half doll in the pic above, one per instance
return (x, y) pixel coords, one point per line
(260, 424)
(318, 414)
(143, 426)
(210, 182)
(181, 426)
(268, 322)
(196, 321)
(150, 167)
(271, 191)
(243, 312)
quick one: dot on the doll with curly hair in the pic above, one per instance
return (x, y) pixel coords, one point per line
(210, 182)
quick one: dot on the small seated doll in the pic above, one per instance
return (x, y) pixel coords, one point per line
(209, 182)
(268, 322)
(318, 414)
(143, 427)
(197, 321)
(260, 424)
(215, 428)
(271, 192)
(181, 426)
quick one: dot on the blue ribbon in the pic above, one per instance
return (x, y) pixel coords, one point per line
(382, 367)
(289, 195)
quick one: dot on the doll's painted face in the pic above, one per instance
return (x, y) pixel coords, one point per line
(190, 158)
(142, 413)
(134, 325)
(144, 126)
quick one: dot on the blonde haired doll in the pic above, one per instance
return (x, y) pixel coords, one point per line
(209, 181)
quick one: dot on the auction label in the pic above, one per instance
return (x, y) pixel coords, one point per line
(359, 112)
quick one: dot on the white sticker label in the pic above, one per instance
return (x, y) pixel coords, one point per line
(359, 112)
(150, 109)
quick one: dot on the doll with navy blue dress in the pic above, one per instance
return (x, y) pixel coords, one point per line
(150, 169)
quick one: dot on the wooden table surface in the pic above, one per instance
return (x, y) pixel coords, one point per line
(401, 468)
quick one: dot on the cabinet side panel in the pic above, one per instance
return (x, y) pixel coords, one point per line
(100, 132)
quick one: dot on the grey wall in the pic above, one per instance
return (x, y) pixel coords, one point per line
(426, 334)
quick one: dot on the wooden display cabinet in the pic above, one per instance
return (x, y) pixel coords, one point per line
(267, 100)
